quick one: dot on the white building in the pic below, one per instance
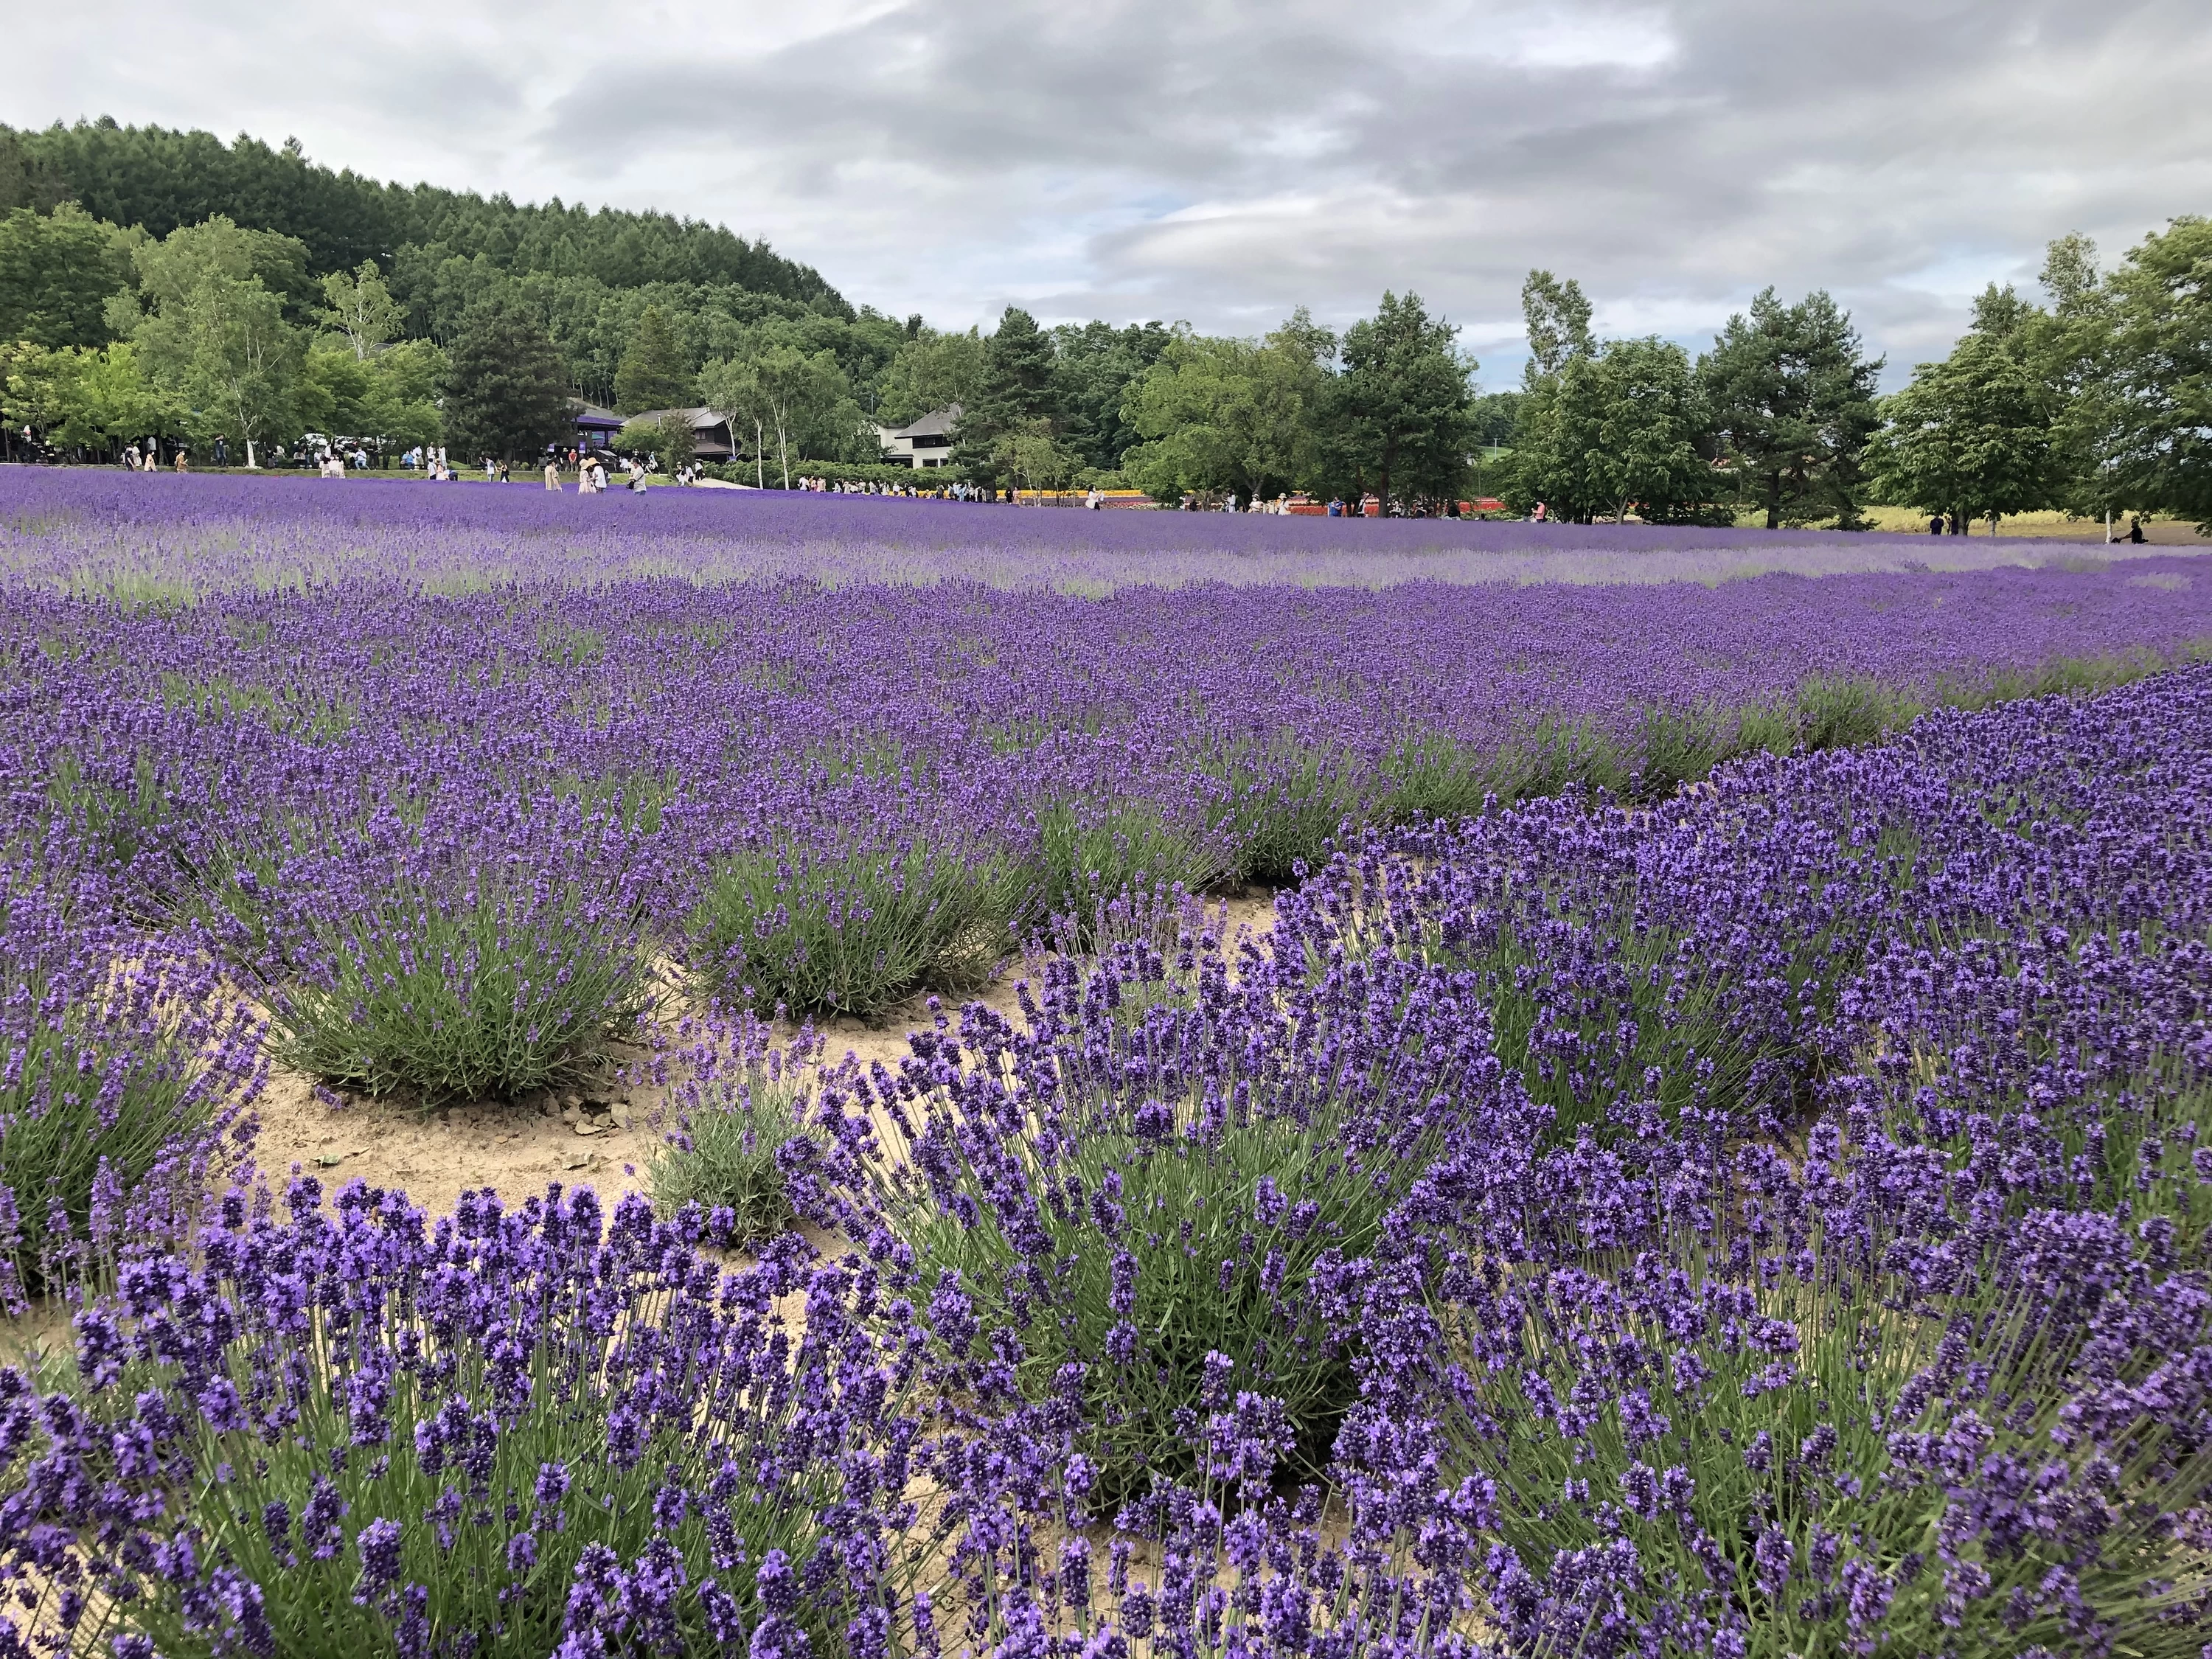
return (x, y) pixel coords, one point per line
(923, 443)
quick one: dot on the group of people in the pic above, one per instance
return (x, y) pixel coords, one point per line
(591, 474)
(150, 459)
(952, 492)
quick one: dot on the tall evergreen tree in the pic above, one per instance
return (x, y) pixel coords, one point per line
(1793, 404)
(653, 373)
(505, 392)
(1016, 394)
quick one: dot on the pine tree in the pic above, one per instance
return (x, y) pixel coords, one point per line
(1404, 408)
(1017, 392)
(505, 394)
(652, 373)
(1793, 402)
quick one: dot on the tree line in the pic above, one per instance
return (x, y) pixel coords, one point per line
(157, 283)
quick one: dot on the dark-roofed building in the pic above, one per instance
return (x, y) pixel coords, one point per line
(925, 442)
(595, 426)
(710, 438)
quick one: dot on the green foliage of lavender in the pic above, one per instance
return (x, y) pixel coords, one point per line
(1090, 854)
(739, 1101)
(854, 931)
(122, 1084)
(1153, 1249)
(447, 973)
(480, 1004)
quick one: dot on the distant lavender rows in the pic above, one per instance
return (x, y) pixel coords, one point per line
(93, 530)
(385, 727)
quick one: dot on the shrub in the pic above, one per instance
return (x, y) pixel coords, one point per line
(125, 1082)
(496, 970)
(500, 996)
(1281, 804)
(738, 1104)
(1671, 747)
(853, 931)
(1183, 1216)
(1090, 855)
(516, 1432)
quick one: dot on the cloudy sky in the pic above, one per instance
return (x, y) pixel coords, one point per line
(1222, 161)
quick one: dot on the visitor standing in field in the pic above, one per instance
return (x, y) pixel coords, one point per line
(553, 475)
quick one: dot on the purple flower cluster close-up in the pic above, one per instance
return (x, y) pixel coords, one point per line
(1711, 1153)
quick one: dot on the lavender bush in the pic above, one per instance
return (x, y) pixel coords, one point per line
(514, 1432)
(402, 956)
(123, 1093)
(738, 1104)
(1160, 1192)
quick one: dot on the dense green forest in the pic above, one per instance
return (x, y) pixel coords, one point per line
(158, 178)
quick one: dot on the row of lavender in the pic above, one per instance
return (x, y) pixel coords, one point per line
(464, 825)
(82, 529)
(447, 840)
(1769, 1223)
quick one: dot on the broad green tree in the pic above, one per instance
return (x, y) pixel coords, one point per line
(1619, 427)
(360, 307)
(655, 374)
(1030, 456)
(81, 397)
(1403, 404)
(2141, 342)
(1971, 436)
(57, 271)
(391, 396)
(931, 371)
(1232, 416)
(506, 393)
(1793, 403)
(216, 342)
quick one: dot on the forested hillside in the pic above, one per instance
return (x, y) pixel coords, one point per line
(161, 179)
(588, 274)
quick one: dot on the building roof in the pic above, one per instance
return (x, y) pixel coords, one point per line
(590, 417)
(937, 423)
(700, 418)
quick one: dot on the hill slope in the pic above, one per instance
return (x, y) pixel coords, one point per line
(161, 179)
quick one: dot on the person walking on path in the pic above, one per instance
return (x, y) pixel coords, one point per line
(553, 475)
(181, 467)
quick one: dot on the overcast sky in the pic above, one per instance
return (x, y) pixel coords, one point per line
(1222, 160)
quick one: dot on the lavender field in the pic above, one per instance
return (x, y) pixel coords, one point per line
(1709, 1156)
